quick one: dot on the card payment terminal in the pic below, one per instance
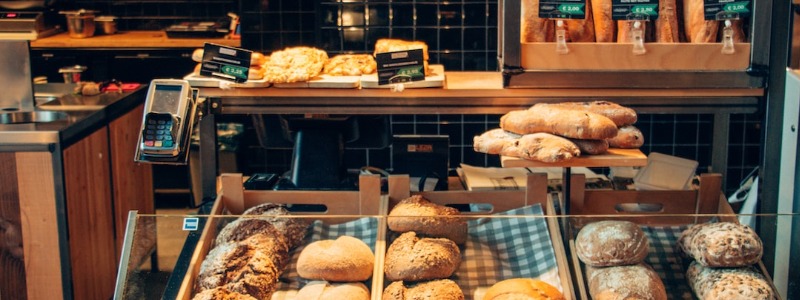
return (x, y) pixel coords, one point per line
(167, 122)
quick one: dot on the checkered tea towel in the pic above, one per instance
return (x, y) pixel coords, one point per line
(665, 258)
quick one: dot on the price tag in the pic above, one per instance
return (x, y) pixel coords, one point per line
(400, 66)
(562, 9)
(227, 63)
(634, 9)
(726, 9)
(191, 224)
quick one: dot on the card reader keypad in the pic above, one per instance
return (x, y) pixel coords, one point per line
(158, 131)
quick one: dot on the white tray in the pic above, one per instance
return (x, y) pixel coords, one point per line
(196, 80)
(325, 81)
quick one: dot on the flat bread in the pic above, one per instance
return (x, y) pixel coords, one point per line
(295, 64)
(350, 65)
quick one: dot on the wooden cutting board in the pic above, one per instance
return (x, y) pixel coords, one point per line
(325, 81)
(196, 80)
(436, 79)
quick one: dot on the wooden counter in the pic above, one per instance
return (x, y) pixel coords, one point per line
(127, 39)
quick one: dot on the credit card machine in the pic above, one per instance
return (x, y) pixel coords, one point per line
(167, 122)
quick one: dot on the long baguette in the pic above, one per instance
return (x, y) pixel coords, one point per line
(581, 30)
(564, 122)
(667, 22)
(604, 26)
(696, 28)
(619, 114)
(534, 28)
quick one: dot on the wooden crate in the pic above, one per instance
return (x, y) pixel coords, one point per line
(233, 199)
(501, 200)
(676, 207)
(613, 56)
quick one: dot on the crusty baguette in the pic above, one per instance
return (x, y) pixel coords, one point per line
(738, 31)
(696, 28)
(543, 147)
(628, 137)
(534, 28)
(581, 30)
(591, 146)
(624, 31)
(497, 141)
(619, 114)
(604, 26)
(667, 22)
(564, 122)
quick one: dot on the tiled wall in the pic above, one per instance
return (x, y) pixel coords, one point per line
(462, 35)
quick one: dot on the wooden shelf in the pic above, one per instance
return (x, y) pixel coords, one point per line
(128, 39)
(613, 158)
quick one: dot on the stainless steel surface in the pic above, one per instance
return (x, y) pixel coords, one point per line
(72, 74)
(77, 102)
(106, 24)
(18, 117)
(80, 24)
(16, 91)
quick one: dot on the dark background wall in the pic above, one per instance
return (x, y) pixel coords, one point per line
(462, 35)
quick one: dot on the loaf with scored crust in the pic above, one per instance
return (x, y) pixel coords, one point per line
(429, 219)
(410, 258)
(559, 121)
(638, 282)
(611, 243)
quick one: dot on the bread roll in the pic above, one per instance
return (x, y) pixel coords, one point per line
(256, 59)
(346, 259)
(534, 28)
(410, 258)
(294, 229)
(443, 222)
(611, 243)
(728, 284)
(628, 137)
(591, 146)
(604, 26)
(444, 289)
(667, 22)
(564, 122)
(543, 147)
(696, 28)
(625, 282)
(394, 45)
(321, 290)
(581, 30)
(241, 267)
(619, 114)
(723, 244)
(523, 288)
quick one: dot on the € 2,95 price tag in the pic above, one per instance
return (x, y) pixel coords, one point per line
(227, 63)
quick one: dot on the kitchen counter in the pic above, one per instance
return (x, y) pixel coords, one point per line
(127, 40)
(83, 115)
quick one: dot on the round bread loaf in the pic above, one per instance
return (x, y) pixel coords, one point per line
(444, 289)
(319, 290)
(242, 267)
(723, 244)
(611, 243)
(625, 282)
(346, 259)
(523, 288)
(410, 258)
(728, 283)
(221, 293)
(410, 215)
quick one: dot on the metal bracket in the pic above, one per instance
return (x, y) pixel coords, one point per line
(509, 71)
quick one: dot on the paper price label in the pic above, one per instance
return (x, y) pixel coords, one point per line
(227, 63)
(400, 66)
(726, 9)
(634, 9)
(562, 9)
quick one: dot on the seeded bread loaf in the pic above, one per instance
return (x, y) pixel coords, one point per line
(728, 283)
(611, 243)
(427, 219)
(241, 267)
(722, 244)
(625, 282)
(410, 258)
(444, 289)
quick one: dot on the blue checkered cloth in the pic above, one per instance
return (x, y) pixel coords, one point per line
(665, 258)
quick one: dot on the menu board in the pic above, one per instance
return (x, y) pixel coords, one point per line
(726, 9)
(562, 9)
(634, 9)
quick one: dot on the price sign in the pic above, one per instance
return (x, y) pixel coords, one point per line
(400, 66)
(562, 9)
(634, 9)
(228, 63)
(726, 9)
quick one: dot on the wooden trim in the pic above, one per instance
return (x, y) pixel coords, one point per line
(12, 257)
(127, 39)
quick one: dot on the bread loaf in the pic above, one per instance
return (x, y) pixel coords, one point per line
(591, 146)
(564, 122)
(624, 29)
(427, 219)
(497, 141)
(696, 28)
(628, 137)
(295, 64)
(346, 259)
(222, 293)
(738, 31)
(723, 244)
(728, 284)
(523, 288)
(625, 282)
(534, 28)
(321, 290)
(350, 65)
(667, 22)
(394, 45)
(604, 26)
(619, 114)
(241, 267)
(543, 147)
(444, 289)
(611, 243)
(581, 30)
(410, 258)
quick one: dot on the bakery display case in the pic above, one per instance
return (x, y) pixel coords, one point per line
(676, 48)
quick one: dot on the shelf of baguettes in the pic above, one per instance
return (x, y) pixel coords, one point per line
(128, 39)
(471, 93)
(662, 214)
(341, 207)
(614, 56)
(612, 158)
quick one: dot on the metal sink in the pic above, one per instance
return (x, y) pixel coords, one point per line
(18, 117)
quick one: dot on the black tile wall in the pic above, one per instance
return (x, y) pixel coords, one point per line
(462, 35)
